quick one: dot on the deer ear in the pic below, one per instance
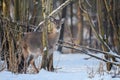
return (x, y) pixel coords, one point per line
(62, 20)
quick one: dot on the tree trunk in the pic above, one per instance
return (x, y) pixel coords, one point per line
(80, 26)
(103, 27)
(62, 28)
(47, 60)
(5, 48)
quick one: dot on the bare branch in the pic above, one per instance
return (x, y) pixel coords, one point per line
(108, 53)
(56, 11)
(88, 3)
(87, 53)
(85, 11)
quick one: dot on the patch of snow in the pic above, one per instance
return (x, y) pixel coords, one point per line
(44, 49)
(68, 67)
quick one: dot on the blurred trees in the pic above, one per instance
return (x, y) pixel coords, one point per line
(106, 17)
(93, 23)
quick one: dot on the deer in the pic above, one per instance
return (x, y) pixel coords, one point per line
(32, 43)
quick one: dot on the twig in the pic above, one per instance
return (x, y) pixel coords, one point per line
(80, 6)
(88, 3)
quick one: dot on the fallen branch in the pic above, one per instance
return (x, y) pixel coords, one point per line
(87, 53)
(93, 49)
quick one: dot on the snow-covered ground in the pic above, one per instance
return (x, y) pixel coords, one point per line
(70, 67)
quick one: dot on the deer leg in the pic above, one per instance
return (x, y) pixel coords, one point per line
(31, 61)
(21, 65)
(25, 66)
(33, 64)
(26, 63)
(50, 63)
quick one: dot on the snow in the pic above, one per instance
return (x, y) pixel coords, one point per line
(44, 49)
(68, 67)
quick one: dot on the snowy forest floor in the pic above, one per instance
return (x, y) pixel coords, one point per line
(69, 67)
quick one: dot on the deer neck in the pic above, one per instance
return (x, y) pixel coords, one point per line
(54, 36)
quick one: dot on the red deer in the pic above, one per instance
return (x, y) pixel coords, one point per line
(32, 44)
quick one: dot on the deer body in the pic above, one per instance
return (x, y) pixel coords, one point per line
(32, 44)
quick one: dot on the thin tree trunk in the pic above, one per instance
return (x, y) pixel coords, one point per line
(71, 27)
(62, 28)
(80, 26)
(47, 60)
(103, 27)
(50, 57)
(5, 48)
(44, 38)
